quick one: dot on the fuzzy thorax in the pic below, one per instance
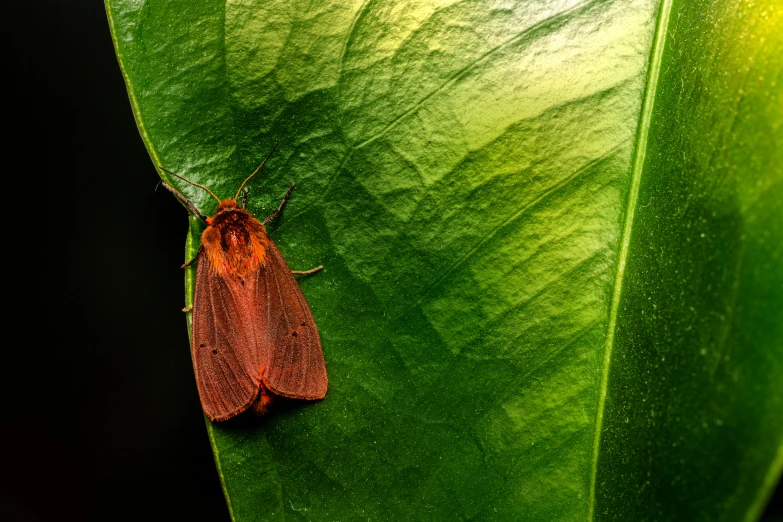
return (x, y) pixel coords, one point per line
(234, 241)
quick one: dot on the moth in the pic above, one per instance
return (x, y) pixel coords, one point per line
(253, 336)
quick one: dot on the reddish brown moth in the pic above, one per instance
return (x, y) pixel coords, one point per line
(253, 334)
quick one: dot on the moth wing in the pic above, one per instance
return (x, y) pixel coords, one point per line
(225, 358)
(292, 360)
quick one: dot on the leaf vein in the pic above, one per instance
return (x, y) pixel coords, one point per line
(656, 55)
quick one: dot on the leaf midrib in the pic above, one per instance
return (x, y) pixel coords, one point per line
(656, 55)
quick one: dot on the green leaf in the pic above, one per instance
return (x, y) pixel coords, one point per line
(553, 240)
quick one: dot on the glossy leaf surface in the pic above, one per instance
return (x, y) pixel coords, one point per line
(552, 238)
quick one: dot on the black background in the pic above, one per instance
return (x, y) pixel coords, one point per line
(105, 422)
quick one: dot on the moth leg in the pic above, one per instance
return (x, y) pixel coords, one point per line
(263, 401)
(274, 214)
(187, 309)
(194, 259)
(307, 272)
(183, 199)
(244, 197)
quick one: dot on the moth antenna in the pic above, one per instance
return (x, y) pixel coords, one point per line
(192, 183)
(255, 171)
